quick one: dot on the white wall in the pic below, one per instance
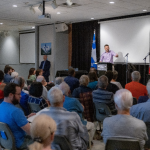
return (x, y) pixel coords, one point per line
(59, 53)
(127, 36)
(9, 54)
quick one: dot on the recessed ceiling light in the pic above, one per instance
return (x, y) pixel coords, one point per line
(15, 6)
(144, 10)
(92, 18)
(1, 23)
(33, 27)
(111, 2)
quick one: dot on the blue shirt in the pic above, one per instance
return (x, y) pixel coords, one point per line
(92, 85)
(141, 111)
(7, 78)
(73, 104)
(24, 102)
(43, 65)
(72, 82)
(15, 119)
(142, 99)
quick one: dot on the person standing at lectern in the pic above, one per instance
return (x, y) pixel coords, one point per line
(107, 56)
(45, 66)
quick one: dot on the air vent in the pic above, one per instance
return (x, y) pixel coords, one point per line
(73, 5)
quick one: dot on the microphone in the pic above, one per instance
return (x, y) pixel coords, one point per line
(126, 54)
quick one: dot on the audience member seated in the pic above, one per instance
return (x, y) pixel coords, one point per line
(13, 75)
(115, 76)
(42, 132)
(73, 105)
(39, 72)
(2, 86)
(143, 99)
(84, 81)
(93, 80)
(68, 123)
(14, 117)
(31, 75)
(137, 89)
(101, 95)
(7, 76)
(58, 81)
(71, 80)
(111, 87)
(123, 125)
(35, 92)
(92, 69)
(142, 110)
(24, 97)
(42, 80)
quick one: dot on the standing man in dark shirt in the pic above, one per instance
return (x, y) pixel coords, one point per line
(45, 66)
(71, 80)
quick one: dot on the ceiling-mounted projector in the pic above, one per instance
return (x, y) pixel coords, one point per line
(46, 16)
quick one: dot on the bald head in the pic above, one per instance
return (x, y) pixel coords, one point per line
(45, 57)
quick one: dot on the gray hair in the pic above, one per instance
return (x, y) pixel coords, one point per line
(40, 79)
(19, 81)
(136, 75)
(102, 81)
(84, 80)
(55, 96)
(64, 87)
(14, 74)
(148, 87)
(59, 80)
(123, 99)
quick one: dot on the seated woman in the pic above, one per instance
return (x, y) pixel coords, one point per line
(31, 75)
(84, 94)
(115, 76)
(42, 131)
(39, 72)
(2, 85)
(35, 93)
(24, 96)
(93, 80)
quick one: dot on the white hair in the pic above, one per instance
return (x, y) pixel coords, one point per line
(123, 99)
(39, 78)
(136, 75)
(148, 87)
(14, 74)
(55, 96)
(59, 80)
(64, 87)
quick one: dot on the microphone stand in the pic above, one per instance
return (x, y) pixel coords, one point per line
(145, 67)
(127, 67)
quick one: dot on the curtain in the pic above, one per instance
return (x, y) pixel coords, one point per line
(82, 39)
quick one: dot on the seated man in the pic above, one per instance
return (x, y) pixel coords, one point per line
(35, 93)
(68, 123)
(111, 87)
(14, 117)
(73, 105)
(42, 80)
(7, 77)
(101, 95)
(123, 125)
(71, 80)
(142, 110)
(137, 89)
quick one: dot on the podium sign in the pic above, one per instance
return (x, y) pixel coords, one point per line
(102, 67)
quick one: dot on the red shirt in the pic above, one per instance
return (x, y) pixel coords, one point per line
(137, 89)
(1, 93)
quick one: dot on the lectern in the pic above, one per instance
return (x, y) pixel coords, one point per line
(102, 67)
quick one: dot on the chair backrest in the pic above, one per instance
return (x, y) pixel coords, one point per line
(62, 142)
(147, 144)
(87, 101)
(134, 101)
(102, 111)
(29, 82)
(19, 106)
(122, 144)
(34, 107)
(7, 140)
